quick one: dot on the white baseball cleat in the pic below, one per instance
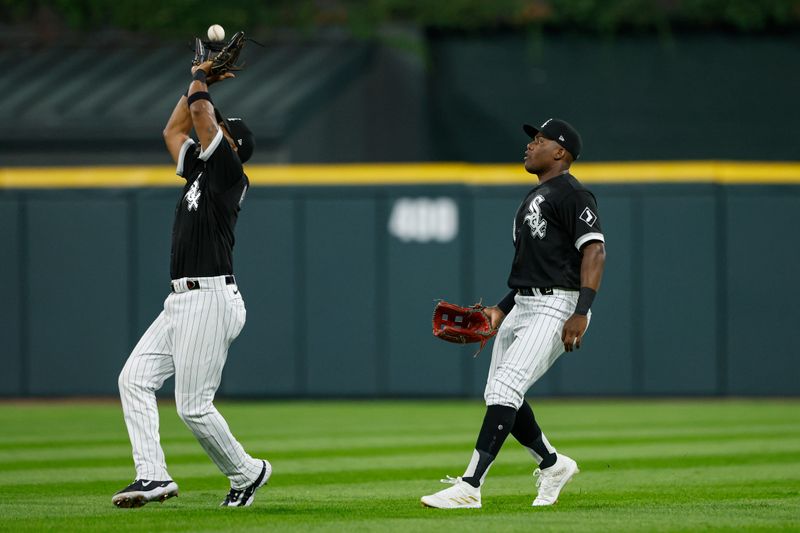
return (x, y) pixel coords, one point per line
(461, 495)
(552, 480)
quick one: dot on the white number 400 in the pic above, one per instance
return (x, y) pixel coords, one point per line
(424, 219)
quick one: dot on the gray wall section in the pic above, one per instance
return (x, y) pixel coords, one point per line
(12, 378)
(762, 265)
(77, 296)
(697, 296)
(340, 301)
(678, 293)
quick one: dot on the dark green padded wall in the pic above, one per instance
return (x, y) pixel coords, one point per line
(77, 293)
(698, 295)
(677, 302)
(12, 311)
(761, 265)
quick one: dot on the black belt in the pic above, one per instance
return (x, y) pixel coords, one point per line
(533, 291)
(193, 284)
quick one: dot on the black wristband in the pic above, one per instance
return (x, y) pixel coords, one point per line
(199, 75)
(585, 299)
(507, 303)
(199, 95)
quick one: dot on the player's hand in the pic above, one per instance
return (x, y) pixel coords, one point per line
(495, 314)
(215, 78)
(205, 66)
(573, 331)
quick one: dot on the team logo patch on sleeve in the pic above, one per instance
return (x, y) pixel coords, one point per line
(588, 217)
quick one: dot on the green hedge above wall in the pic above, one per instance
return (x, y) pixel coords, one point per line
(362, 18)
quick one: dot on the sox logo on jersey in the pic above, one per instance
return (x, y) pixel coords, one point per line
(534, 218)
(193, 196)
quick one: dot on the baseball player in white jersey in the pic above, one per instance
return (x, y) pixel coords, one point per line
(559, 256)
(204, 312)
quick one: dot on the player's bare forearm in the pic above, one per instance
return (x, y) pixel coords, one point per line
(592, 265)
(177, 129)
(201, 110)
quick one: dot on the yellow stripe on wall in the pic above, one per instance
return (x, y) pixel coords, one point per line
(722, 172)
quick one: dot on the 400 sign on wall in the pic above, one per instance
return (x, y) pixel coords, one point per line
(424, 219)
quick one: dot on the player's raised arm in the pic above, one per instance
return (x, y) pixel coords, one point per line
(200, 107)
(177, 129)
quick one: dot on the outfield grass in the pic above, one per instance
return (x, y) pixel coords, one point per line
(362, 466)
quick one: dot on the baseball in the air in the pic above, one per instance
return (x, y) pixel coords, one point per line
(216, 32)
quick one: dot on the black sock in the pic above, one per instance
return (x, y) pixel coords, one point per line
(497, 424)
(529, 434)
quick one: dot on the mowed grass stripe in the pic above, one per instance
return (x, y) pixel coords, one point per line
(646, 466)
(184, 441)
(407, 483)
(753, 448)
(446, 462)
(582, 507)
(367, 440)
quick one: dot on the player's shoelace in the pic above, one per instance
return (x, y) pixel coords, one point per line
(235, 495)
(545, 482)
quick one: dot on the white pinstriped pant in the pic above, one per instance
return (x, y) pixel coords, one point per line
(527, 345)
(190, 339)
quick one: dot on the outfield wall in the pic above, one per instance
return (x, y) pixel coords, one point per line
(340, 265)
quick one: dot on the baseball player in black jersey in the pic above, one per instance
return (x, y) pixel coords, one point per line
(559, 255)
(204, 311)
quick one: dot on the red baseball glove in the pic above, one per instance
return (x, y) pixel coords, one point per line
(462, 325)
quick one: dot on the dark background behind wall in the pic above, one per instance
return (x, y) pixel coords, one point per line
(449, 97)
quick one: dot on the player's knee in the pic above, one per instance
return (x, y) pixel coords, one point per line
(125, 381)
(501, 391)
(507, 398)
(185, 411)
(190, 409)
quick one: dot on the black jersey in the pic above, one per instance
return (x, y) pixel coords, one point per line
(556, 219)
(205, 217)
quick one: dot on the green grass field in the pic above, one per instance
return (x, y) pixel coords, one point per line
(362, 466)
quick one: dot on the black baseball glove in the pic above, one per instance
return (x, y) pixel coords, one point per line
(223, 55)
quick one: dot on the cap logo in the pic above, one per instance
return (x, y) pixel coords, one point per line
(239, 141)
(546, 122)
(561, 138)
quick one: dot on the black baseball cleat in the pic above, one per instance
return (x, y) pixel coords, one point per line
(244, 497)
(142, 491)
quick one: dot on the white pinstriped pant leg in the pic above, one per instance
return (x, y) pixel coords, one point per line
(503, 339)
(148, 366)
(527, 345)
(207, 321)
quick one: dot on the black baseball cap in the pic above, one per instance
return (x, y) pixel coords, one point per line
(559, 131)
(242, 136)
